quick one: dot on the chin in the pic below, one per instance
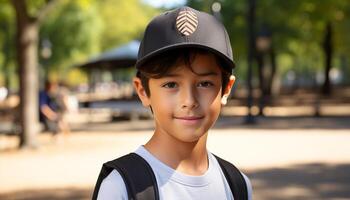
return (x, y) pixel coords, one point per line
(191, 137)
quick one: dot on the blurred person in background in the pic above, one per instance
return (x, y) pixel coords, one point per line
(52, 109)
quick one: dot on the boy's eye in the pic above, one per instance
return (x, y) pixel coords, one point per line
(170, 85)
(205, 84)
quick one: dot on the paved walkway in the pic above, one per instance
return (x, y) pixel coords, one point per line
(309, 161)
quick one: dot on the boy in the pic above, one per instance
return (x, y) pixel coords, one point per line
(184, 75)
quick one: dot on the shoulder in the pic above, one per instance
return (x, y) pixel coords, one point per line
(246, 179)
(249, 186)
(112, 187)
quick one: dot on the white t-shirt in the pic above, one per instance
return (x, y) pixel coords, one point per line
(173, 185)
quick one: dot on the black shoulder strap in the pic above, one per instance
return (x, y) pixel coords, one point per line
(235, 179)
(140, 181)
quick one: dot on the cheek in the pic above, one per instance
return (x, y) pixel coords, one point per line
(212, 104)
(162, 103)
(216, 105)
(210, 98)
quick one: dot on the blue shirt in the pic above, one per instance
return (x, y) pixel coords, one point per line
(45, 99)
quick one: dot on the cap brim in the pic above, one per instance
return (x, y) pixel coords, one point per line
(230, 63)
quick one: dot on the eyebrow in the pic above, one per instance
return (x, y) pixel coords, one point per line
(199, 74)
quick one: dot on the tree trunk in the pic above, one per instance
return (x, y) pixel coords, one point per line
(266, 76)
(27, 43)
(273, 71)
(27, 58)
(261, 65)
(328, 52)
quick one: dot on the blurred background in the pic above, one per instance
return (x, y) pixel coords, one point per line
(67, 103)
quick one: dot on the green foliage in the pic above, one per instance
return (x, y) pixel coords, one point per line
(34, 6)
(124, 20)
(81, 29)
(73, 29)
(7, 34)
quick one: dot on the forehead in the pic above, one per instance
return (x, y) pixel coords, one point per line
(199, 64)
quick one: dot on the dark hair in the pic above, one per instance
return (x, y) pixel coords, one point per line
(160, 65)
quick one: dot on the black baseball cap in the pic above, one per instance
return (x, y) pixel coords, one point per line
(182, 28)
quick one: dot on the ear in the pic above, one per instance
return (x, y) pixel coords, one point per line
(141, 92)
(227, 90)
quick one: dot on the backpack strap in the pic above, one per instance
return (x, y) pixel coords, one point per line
(235, 179)
(138, 176)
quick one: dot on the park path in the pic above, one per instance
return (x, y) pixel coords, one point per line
(289, 161)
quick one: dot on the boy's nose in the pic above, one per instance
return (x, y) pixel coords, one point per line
(189, 99)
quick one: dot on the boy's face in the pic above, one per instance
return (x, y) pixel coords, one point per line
(187, 101)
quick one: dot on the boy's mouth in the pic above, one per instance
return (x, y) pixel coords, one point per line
(189, 120)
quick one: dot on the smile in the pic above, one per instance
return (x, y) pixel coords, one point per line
(189, 120)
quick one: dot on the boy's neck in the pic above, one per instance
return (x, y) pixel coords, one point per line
(186, 157)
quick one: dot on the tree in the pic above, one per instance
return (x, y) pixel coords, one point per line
(81, 29)
(28, 23)
(124, 20)
(328, 51)
(74, 30)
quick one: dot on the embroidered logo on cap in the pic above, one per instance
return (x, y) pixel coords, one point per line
(186, 22)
